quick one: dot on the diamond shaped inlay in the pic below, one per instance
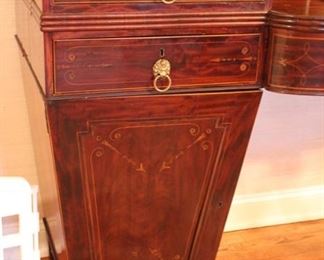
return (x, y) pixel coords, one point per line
(304, 64)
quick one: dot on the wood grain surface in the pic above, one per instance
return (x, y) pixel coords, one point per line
(144, 184)
(124, 65)
(296, 47)
(299, 241)
(306, 8)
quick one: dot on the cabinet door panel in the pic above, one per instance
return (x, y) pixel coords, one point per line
(140, 174)
(147, 180)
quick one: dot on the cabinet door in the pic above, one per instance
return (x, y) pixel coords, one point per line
(149, 177)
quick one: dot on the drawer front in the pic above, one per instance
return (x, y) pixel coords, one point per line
(154, 6)
(126, 64)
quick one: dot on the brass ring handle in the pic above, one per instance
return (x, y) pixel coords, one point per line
(168, 2)
(155, 83)
(162, 70)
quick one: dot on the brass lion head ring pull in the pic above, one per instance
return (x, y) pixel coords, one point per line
(166, 88)
(161, 71)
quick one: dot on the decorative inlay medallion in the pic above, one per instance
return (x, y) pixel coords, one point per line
(296, 64)
(245, 60)
(167, 163)
(305, 64)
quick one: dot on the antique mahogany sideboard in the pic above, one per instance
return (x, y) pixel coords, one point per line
(148, 106)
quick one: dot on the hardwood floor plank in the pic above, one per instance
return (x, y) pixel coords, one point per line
(300, 241)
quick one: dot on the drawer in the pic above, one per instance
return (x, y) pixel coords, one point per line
(149, 7)
(125, 65)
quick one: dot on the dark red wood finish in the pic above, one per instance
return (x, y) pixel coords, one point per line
(296, 47)
(149, 177)
(310, 9)
(138, 8)
(84, 66)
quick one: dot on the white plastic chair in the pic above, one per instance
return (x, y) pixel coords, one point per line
(17, 198)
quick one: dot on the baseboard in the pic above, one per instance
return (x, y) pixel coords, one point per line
(275, 208)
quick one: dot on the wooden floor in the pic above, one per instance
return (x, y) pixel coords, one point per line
(300, 241)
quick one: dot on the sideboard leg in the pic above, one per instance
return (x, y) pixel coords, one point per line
(51, 246)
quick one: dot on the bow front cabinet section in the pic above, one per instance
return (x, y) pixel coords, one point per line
(296, 47)
(141, 113)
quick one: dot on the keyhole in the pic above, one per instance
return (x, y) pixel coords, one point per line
(162, 52)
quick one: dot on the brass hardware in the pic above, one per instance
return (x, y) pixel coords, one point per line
(161, 70)
(168, 2)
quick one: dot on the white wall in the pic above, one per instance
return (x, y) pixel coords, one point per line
(16, 151)
(282, 179)
(287, 145)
